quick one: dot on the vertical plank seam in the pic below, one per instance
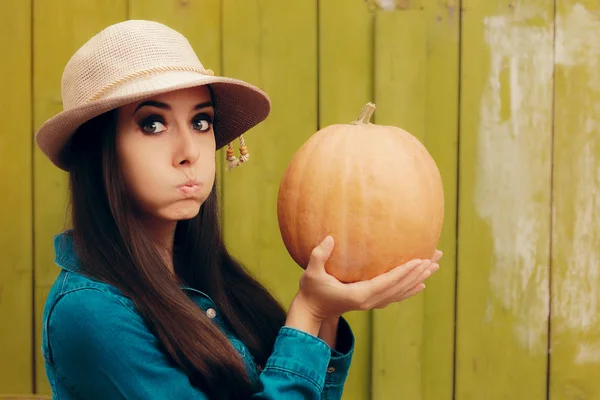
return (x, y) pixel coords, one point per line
(318, 57)
(457, 207)
(551, 241)
(371, 313)
(32, 202)
(221, 165)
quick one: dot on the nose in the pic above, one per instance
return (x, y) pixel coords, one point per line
(188, 151)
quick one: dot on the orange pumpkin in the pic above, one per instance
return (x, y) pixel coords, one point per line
(375, 189)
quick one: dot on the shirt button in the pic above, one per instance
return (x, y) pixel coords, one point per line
(211, 313)
(330, 370)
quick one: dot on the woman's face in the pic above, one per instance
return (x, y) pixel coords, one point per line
(166, 150)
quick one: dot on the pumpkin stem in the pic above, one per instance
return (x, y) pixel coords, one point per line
(365, 114)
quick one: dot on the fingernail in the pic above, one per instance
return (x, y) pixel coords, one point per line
(327, 242)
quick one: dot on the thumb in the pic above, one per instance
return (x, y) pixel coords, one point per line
(321, 253)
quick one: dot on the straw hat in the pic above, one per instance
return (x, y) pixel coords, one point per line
(135, 59)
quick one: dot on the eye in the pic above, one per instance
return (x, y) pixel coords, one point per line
(152, 126)
(202, 123)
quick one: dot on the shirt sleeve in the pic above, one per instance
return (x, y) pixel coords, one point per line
(101, 349)
(297, 367)
(339, 362)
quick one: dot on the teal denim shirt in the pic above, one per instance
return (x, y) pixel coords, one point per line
(97, 346)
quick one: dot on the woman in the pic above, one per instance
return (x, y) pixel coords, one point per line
(148, 303)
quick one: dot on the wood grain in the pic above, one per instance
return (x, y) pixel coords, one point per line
(416, 88)
(60, 28)
(504, 206)
(345, 86)
(274, 46)
(16, 289)
(441, 139)
(575, 324)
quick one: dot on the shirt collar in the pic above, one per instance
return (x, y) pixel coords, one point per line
(64, 250)
(66, 257)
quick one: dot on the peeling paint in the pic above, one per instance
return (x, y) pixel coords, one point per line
(513, 174)
(386, 5)
(577, 297)
(588, 353)
(577, 38)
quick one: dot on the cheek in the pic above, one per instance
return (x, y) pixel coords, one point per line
(140, 165)
(208, 160)
(205, 164)
(149, 173)
(206, 169)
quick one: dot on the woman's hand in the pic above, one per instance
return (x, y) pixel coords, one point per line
(321, 295)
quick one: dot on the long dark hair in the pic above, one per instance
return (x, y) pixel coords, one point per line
(113, 247)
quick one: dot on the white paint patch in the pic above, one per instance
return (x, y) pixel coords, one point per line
(577, 38)
(577, 295)
(387, 5)
(513, 169)
(588, 353)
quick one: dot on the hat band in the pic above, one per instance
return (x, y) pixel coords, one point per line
(149, 71)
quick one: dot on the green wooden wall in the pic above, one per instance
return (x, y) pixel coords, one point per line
(504, 93)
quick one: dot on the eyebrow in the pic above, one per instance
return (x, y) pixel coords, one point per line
(165, 106)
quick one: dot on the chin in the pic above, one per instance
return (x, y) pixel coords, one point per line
(182, 211)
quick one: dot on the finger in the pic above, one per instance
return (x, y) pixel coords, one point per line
(321, 253)
(416, 276)
(437, 255)
(427, 272)
(407, 289)
(412, 292)
(371, 292)
(420, 279)
(388, 279)
(398, 298)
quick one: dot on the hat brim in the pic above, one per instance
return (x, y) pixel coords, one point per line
(239, 106)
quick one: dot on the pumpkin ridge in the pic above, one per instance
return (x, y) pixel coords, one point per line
(298, 171)
(343, 232)
(362, 217)
(302, 184)
(310, 175)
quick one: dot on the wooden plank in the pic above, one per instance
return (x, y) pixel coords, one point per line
(416, 88)
(345, 86)
(16, 290)
(60, 28)
(198, 21)
(575, 324)
(274, 46)
(441, 139)
(504, 210)
(400, 92)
